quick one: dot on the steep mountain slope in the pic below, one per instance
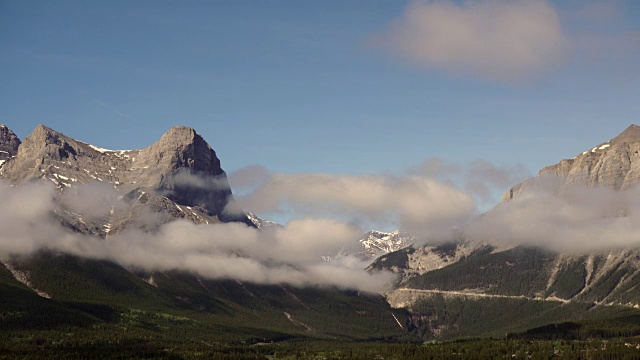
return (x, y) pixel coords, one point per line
(414, 261)
(9, 144)
(615, 163)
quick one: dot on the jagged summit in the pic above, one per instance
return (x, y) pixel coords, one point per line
(43, 129)
(179, 170)
(186, 148)
(179, 149)
(615, 163)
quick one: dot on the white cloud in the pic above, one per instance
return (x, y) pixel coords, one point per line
(501, 40)
(424, 206)
(291, 254)
(549, 214)
(249, 177)
(185, 179)
(566, 218)
(93, 200)
(479, 177)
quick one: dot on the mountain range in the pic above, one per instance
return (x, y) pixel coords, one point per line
(100, 194)
(463, 288)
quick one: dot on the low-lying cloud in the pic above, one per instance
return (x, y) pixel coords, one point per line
(424, 206)
(501, 40)
(250, 177)
(437, 202)
(430, 200)
(187, 179)
(562, 217)
(329, 209)
(291, 254)
(479, 177)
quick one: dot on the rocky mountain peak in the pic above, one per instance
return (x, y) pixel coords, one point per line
(180, 134)
(182, 147)
(615, 164)
(179, 174)
(36, 153)
(43, 136)
(9, 143)
(629, 135)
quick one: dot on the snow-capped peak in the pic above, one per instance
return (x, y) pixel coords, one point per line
(261, 224)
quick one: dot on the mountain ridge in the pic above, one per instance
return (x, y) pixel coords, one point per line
(179, 175)
(615, 164)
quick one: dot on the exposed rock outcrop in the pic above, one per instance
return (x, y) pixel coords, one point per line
(615, 163)
(9, 144)
(177, 177)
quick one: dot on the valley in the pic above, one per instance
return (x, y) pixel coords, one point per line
(460, 290)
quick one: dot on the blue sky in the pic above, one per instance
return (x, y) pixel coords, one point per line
(344, 87)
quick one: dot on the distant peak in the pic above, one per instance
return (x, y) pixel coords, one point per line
(630, 134)
(5, 129)
(43, 132)
(181, 131)
(43, 128)
(180, 136)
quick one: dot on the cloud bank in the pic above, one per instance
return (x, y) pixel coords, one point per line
(480, 178)
(549, 213)
(437, 202)
(424, 206)
(291, 254)
(562, 217)
(500, 40)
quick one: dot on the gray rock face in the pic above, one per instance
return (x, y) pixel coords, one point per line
(9, 144)
(615, 163)
(177, 177)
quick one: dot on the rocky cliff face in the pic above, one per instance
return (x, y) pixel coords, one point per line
(9, 144)
(177, 177)
(615, 163)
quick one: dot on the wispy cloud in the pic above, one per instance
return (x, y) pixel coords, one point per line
(291, 254)
(115, 111)
(422, 205)
(500, 40)
(549, 213)
(563, 217)
(479, 177)
(606, 36)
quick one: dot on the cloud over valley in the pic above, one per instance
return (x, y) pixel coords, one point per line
(290, 254)
(435, 201)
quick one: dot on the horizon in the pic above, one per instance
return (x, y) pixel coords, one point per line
(486, 190)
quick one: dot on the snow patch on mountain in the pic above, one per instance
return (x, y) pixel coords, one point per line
(260, 223)
(378, 243)
(375, 244)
